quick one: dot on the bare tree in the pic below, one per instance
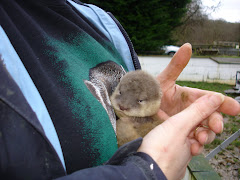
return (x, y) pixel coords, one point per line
(198, 29)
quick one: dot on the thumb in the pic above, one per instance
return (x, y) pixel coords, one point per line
(201, 109)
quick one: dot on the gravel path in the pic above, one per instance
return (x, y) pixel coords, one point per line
(227, 162)
(226, 165)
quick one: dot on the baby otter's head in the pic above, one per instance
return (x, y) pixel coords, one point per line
(138, 94)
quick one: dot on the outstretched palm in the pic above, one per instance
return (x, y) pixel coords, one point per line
(176, 98)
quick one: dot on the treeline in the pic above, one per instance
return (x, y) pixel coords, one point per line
(149, 24)
(207, 32)
(154, 23)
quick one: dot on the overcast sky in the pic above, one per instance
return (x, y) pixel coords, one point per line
(228, 10)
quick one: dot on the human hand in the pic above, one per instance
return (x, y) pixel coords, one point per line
(176, 98)
(171, 144)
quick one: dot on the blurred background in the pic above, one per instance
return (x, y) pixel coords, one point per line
(211, 26)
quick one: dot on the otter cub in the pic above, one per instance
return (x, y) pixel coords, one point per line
(136, 100)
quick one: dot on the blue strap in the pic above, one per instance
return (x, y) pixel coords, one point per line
(20, 75)
(108, 27)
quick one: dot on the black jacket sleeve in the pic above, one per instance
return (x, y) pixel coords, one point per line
(126, 163)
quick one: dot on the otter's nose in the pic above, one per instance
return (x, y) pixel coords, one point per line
(122, 108)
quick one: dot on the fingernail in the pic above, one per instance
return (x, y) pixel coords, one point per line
(216, 99)
(188, 44)
(222, 128)
(222, 96)
(206, 140)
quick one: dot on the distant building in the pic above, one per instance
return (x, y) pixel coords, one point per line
(226, 43)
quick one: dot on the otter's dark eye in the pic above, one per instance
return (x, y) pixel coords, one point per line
(119, 92)
(140, 101)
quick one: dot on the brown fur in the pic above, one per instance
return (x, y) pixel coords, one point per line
(136, 101)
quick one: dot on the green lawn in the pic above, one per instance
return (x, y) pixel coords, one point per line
(206, 86)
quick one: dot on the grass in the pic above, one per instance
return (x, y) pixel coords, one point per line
(236, 143)
(206, 86)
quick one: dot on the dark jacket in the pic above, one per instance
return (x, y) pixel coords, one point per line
(25, 151)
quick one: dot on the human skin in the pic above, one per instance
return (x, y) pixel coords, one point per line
(173, 143)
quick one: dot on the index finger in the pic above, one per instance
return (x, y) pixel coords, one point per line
(177, 64)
